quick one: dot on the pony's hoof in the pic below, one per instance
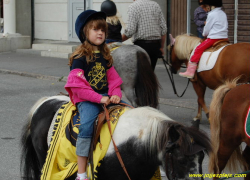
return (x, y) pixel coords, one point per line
(196, 124)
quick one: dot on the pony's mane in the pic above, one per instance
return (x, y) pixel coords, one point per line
(153, 119)
(186, 136)
(184, 44)
(158, 133)
(35, 106)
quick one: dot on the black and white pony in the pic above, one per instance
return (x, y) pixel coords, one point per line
(145, 137)
(140, 83)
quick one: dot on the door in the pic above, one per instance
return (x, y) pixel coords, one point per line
(76, 7)
(193, 29)
(178, 17)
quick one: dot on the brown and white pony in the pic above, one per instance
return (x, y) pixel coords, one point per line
(228, 111)
(233, 61)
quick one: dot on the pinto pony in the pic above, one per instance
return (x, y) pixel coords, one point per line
(228, 112)
(146, 138)
(232, 62)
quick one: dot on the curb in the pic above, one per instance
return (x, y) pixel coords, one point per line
(38, 76)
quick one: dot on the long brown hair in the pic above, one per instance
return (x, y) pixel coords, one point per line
(86, 49)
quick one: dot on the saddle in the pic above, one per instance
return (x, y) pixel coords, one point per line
(101, 119)
(114, 45)
(104, 117)
(217, 45)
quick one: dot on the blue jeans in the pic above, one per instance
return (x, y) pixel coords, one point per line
(88, 113)
(200, 35)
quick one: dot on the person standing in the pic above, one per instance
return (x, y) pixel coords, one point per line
(200, 16)
(114, 25)
(216, 29)
(148, 27)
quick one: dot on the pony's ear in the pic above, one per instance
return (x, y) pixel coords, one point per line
(172, 40)
(195, 148)
(173, 137)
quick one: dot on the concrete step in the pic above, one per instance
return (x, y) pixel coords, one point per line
(64, 48)
(29, 51)
(56, 54)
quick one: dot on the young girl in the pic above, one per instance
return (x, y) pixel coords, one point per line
(92, 80)
(216, 29)
(114, 25)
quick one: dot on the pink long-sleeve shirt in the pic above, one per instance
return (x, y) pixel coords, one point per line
(79, 89)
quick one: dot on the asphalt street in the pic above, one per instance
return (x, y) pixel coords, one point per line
(25, 78)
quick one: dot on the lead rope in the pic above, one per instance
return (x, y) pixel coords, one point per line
(115, 147)
(172, 79)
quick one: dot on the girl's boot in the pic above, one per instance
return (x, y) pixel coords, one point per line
(190, 70)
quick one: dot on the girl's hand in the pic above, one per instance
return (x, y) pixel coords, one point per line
(105, 100)
(115, 99)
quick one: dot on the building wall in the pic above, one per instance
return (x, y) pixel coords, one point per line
(51, 19)
(243, 23)
(23, 17)
(51, 16)
(178, 17)
(122, 8)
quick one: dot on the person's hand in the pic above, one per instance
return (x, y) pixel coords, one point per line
(105, 100)
(205, 22)
(115, 99)
(162, 51)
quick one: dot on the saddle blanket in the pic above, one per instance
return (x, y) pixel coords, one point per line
(61, 160)
(247, 123)
(208, 59)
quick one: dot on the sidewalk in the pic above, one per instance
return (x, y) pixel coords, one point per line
(57, 69)
(32, 65)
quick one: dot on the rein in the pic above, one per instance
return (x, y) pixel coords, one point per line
(171, 77)
(115, 147)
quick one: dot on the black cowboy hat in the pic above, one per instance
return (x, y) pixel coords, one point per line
(83, 18)
(217, 3)
(109, 8)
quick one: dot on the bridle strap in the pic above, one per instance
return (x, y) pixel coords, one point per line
(169, 157)
(115, 147)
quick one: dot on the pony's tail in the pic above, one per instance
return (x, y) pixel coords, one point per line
(146, 84)
(30, 167)
(215, 121)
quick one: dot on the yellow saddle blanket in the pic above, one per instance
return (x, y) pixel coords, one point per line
(61, 160)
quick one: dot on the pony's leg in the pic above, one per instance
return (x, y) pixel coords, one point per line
(246, 155)
(228, 144)
(130, 95)
(200, 90)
